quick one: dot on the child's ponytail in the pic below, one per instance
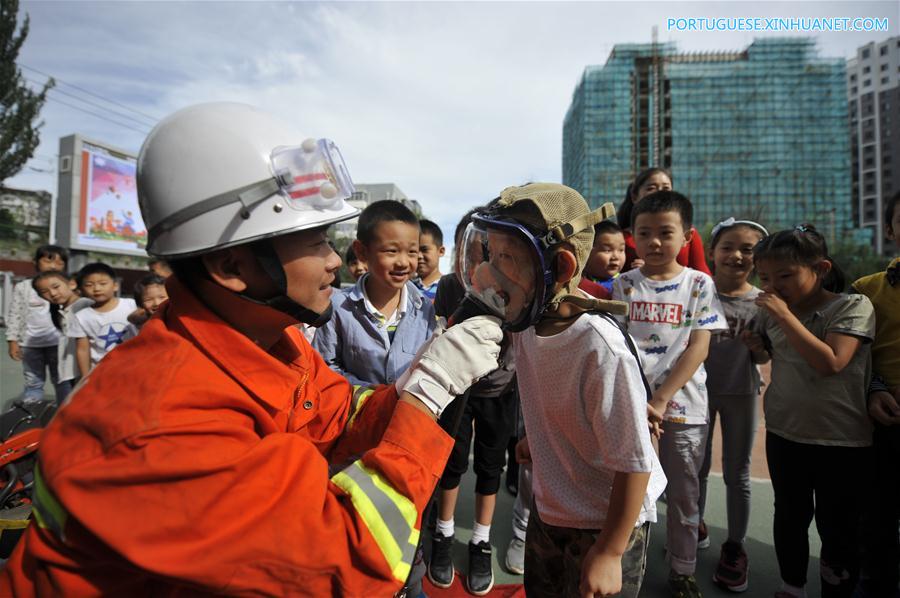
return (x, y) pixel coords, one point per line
(835, 281)
(802, 244)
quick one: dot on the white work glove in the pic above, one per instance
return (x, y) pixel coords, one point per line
(452, 360)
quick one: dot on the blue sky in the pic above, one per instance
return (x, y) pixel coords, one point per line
(452, 101)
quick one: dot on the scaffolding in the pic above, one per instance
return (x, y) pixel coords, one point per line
(761, 132)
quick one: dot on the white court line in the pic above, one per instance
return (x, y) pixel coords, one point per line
(718, 474)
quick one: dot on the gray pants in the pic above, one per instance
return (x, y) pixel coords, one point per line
(522, 506)
(36, 362)
(681, 451)
(738, 422)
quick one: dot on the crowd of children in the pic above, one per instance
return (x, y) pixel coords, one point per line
(81, 313)
(684, 355)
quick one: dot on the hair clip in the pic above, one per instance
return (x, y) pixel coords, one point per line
(800, 228)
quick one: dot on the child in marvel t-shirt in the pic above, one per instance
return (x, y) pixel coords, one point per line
(672, 312)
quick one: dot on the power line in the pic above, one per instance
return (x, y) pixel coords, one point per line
(41, 170)
(89, 102)
(100, 116)
(154, 119)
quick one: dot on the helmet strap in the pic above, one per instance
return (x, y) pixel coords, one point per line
(268, 259)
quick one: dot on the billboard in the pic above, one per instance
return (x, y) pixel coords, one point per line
(97, 204)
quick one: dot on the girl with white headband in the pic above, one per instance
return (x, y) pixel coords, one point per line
(733, 384)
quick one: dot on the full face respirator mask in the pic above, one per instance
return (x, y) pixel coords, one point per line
(508, 253)
(505, 273)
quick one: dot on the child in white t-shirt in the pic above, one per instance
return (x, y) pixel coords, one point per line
(672, 311)
(104, 325)
(61, 292)
(596, 477)
(30, 333)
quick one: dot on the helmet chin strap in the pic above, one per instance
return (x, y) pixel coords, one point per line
(267, 257)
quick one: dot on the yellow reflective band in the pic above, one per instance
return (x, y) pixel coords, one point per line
(48, 513)
(360, 395)
(385, 513)
(404, 505)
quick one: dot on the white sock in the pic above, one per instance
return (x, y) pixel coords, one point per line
(481, 533)
(446, 528)
(793, 590)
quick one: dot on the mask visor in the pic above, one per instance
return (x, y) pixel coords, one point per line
(502, 267)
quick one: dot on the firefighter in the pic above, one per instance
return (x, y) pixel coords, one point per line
(216, 453)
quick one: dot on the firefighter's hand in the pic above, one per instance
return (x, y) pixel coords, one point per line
(453, 362)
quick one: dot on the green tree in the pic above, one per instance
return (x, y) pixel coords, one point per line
(857, 260)
(19, 105)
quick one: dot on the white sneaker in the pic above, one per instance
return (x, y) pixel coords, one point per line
(515, 557)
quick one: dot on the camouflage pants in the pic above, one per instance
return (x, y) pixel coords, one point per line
(553, 558)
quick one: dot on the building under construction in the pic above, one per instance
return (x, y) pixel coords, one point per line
(761, 133)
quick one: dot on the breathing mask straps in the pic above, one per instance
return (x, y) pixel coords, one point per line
(618, 308)
(559, 233)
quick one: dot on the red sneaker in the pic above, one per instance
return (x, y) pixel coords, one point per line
(731, 572)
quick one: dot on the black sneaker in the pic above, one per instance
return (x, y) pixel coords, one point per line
(440, 568)
(480, 579)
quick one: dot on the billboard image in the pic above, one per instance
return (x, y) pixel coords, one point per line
(109, 218)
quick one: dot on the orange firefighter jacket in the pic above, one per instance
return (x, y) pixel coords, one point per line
(190, 461)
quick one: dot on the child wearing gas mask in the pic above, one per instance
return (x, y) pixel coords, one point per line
(584, 400)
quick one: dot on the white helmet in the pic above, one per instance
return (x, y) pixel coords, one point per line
(220, 174)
